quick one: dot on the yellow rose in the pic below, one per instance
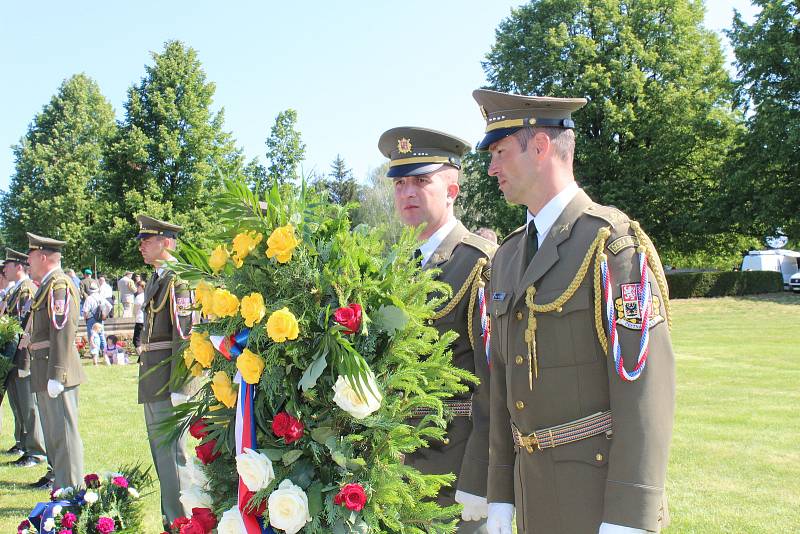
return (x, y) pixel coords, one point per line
(252, 309)
(204, 294)
(245, 243)
(188, 357)
(223, 389)
(196, 370)
(225, 303)
(202, 349)
(282, 325)
(251, 366)
(218, 259)
(281, 243)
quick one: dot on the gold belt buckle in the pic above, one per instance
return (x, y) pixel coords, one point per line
(530, 443)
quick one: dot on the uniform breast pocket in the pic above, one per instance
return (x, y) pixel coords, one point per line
(498, 313)
(567, 336)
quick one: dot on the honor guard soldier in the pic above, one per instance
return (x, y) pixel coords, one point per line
(17, 304)
(55, 365)
(425, 165)
(583, 374)
(167, 323)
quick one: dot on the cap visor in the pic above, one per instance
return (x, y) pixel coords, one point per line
(413, 169)
(493, 136)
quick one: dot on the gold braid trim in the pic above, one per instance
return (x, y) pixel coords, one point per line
(475, 274)
(655, 266)
(473, 295)
(596, 248)
(157, 309)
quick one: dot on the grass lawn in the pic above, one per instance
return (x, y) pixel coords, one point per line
(735, 462)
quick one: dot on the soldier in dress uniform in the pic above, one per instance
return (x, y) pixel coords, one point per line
(583, 374)
(425, 168)
(17, 304)
(167, 323)
(55, 365)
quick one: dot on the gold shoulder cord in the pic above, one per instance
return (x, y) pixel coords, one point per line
(596, 250)
(471, 285)
(46, 295)
(157, 309)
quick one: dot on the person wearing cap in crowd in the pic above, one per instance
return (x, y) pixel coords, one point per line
(166, 298)
(424, 165)
(127, 291)
(56, 371)
(583, 373)
(84, 284)
(27, 427)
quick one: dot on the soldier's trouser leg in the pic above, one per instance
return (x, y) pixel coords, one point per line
(168, 457)
(31, 422)
(13, 402)
(62, 440)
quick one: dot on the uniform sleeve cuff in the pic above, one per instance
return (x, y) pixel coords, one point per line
(473, 476)
(501, 484)
(634, 505)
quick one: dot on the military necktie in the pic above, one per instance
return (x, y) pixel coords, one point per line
(532, 244)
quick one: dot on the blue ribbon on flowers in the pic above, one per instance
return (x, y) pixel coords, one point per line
(44, 511)
(239, 342)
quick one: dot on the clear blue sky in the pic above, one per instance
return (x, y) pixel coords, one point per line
(350, 69)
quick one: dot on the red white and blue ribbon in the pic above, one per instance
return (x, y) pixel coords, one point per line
(231, 346)
(486, 328)
(246, 439)
(175, 316)
(67, 299)
(645, 302)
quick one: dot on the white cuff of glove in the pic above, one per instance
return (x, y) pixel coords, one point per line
(475, 508)
(54, 388)
(610, 528)
(500, 516)
(22, 373)
(178, 398)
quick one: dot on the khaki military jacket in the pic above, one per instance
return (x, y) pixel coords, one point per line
(617, 479)
(165, 299)
(18, 305)
(465, 452)
(52, 325)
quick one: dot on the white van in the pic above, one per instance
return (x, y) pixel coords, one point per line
(786, 262)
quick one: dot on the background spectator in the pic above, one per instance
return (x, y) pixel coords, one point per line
(127, 291)
(487, 233)
(138, 313)
(95, 310)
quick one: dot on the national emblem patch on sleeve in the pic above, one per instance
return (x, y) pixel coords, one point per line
(59, 306)
(184, 305)
(629, 312)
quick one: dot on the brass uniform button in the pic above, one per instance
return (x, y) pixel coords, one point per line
(520, 405)
(519, 360)
(519, 316)
(446, 441)
(599, 457)
(559, 309)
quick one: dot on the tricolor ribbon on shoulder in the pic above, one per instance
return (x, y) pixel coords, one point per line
(645, 301)
(486, 328)
(231, 346)
(175, 315)
(67, 299)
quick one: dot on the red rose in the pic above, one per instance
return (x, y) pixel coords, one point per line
(349, 317)
(255, 511)
(294, 432)
(198, 429)
(205, 452)
(352, 497)
(178, 523)
(91, 481)
(281, 424)
(193, 527)
(68, 520)
(204, 517)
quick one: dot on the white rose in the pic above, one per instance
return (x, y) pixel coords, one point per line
(194, 497)
(350, 401)
(288, 507)
(56, 510)
(198, 475)
(133, 492)
(255, 469)
(90, 497)
(49, 524)
(231, 522)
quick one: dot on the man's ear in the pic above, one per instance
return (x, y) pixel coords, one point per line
(453, 190)
(541, 143)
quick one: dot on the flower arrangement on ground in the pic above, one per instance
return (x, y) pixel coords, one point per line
(317, 349)
(107, 503)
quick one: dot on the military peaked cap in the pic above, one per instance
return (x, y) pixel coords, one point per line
(148, 226)
(37, 242)
(414, 151)
(505, 113)
(18, 257)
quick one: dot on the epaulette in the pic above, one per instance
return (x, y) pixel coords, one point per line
(610, 214)
(515, 232)
(476, 241)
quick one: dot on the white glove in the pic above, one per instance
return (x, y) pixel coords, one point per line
(475, 508)
(499, 521)
(54, 388)
(178, 398)
(609, 528)
(22, 373)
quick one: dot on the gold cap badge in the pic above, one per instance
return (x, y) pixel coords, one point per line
(404, 145)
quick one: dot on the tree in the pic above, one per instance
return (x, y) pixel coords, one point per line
(376, 204)
(764, 186)
(58, 171)
(340, 184)
(655, 134)
(169, 154)
(480, 201)
(285, 149)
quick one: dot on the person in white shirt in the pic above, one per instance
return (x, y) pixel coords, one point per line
(95, 310)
